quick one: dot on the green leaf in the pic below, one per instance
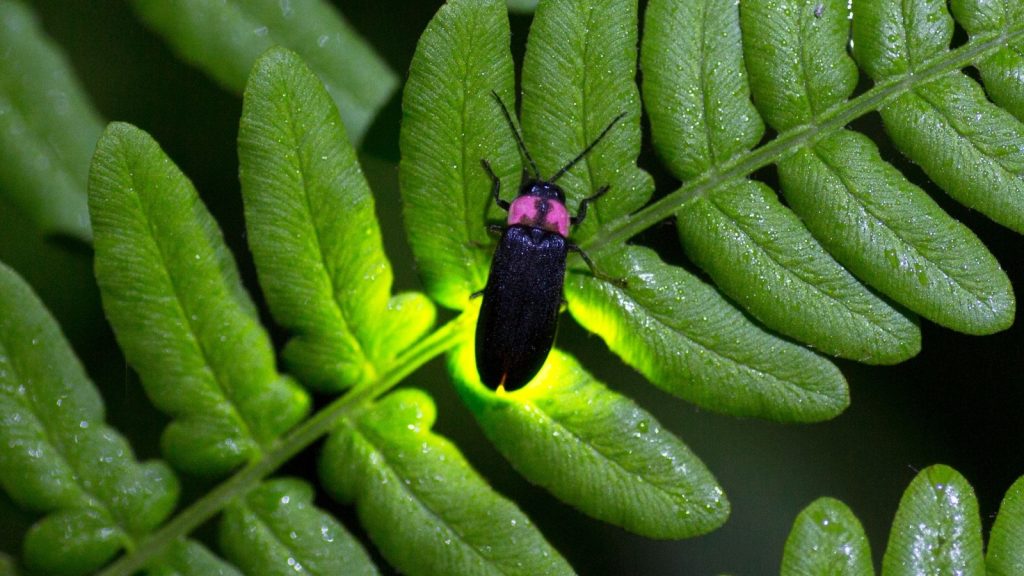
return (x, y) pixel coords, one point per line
(1006, 542)
(756, 250)
(936, 529)
(969, 146)
(880, 226)
(313, 232)
(761, 255)
(1000, 72)
(799, 65)
(171, 291)
(276, 529)
(59, 456)
(578, 75)
(225, 38)
(895, 237)
(450, 123)
(524, 6)
(7, 566)
(424, 507)
(827, 539)
(595, 449)
(690, 135)
(47, 127)
(687, 339)
(189, 558)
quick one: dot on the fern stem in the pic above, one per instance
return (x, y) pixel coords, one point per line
(788, 142)
(285, 448)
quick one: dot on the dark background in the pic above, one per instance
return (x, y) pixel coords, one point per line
(958, 402)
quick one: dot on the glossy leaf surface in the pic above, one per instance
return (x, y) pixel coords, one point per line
(690, 341)
(424, 507)
(276, 529)
(827, 539)
(451, 122)
(314, 234)
(937, 529)
(59, 456)
(596, 450)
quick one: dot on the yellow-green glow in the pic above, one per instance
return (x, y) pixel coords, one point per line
(462, 362)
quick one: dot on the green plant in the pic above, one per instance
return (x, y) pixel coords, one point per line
(853, 229)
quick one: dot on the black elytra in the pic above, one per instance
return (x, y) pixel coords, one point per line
(519, 312)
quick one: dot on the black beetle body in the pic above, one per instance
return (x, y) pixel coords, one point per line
(523, 295)
(519, 313)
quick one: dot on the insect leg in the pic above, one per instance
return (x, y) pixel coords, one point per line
(620, 282)
(495, 185)
(582, 212)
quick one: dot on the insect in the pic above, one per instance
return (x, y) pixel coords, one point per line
(519, 313)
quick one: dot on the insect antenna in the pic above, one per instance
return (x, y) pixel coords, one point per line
(586, 150)
(515, 132)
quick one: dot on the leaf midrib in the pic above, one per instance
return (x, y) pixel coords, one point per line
(743, 366)
(197, 343)
(786, 143)
(389, 468)
(796, 274)
(897, 233)
(61, 450)
(605, 458)
(303, 169)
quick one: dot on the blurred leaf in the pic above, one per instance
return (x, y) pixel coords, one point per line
(1001, 72)
(688, 340)
(7, 566)
(424, 507)
(596, 450)
(189, 558)
(969, 146)
(48, 127)
(59, 457)
(225, 38)
(171, 291)
(827, 539)
(313, 232)
(1006, 542)
(880, 226)
(276, 529)
(936, 529)
(524, 6)
(578, 75)
(450, 123)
